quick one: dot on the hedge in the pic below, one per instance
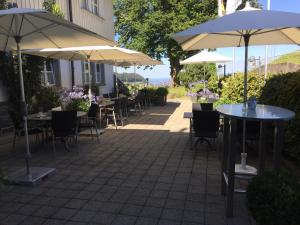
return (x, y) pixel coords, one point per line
(274, 199)
(284, 90)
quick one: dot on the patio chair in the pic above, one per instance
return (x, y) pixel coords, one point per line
(91, 120)
(206, 106)
(19, 130)
(115, 113)
(136, 104)
(205, 126)
(64, 126)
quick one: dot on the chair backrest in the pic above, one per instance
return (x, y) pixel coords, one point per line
(64, 121)
(16, 119)
(105, 95)
(118, 105)
(206, 106)
(93, 110)
(206, 121)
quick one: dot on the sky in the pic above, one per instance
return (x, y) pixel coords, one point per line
(163, 71)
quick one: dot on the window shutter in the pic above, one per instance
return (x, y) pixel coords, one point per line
(83, 73)
(56, 71)
(102, 74)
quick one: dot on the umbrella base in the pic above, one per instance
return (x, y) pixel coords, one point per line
(37, 175)
(248, 171)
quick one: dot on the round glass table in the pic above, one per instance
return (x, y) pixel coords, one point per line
(263, 114)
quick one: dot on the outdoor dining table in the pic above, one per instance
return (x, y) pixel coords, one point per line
(262, 114)
(47, 116)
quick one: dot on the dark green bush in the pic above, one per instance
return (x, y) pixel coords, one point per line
(47, 98)
(284, 91)
(274, 199)
(94, 89)
(161, 91)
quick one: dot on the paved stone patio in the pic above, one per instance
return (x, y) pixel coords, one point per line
(142, 174)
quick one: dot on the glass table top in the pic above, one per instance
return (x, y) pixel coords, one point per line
(262, 112)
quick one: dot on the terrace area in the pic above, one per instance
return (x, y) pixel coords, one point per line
(143, 173)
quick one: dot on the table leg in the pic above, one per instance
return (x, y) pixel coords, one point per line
(191, 134)
(262, 147)
(278, 145)
(224, 155)
(231, 167)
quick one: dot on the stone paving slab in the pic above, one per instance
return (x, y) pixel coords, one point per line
(141, 174)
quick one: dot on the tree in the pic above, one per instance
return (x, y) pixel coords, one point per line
(147, 26)
(195, 72)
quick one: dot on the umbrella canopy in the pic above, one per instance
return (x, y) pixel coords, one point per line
(249, 26)
(206, 57)
(105, 54)
(94, 53)
(40, 29)
(265, 27)
(29, 28)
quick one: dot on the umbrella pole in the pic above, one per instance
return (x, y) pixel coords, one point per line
(23, 107)
(204, 75)
(134, 69)
(90, 82)
(117, 86)
(244, 154)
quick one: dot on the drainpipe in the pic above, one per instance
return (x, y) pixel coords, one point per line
(72, 62)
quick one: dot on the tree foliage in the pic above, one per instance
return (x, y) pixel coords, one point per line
(195, 72)
(147, 25)
(53, 7)
(233, 88)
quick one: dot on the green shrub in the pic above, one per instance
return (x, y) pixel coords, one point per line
(78, 105)
(161, 91)
(47, 98)
(233, 88)
(284, 90)
(274, 199)
(94, 89)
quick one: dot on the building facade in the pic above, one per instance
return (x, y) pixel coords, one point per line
(95, 15)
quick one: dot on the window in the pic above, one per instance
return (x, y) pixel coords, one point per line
(48, 74)
(92, 6)
(100, 75)
(97, 73)
(85, 72)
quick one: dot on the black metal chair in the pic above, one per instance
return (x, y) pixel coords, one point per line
(115, 113)
(19, 130)
(64, 126)
(205, 126)
(91, 120)
(206, 106)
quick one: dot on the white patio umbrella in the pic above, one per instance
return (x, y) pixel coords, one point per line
(205, 57)
(249, 26)
(104, 54)
(30, 28)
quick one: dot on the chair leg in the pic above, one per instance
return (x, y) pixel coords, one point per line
(53, 143)
(115, 121)
(14, 142)
(96, 129)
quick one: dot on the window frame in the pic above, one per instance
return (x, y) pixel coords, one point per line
(45, 73)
